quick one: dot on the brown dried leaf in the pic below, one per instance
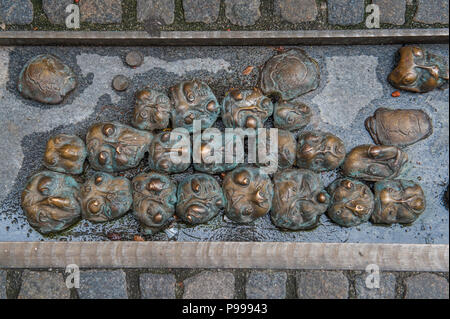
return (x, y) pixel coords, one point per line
(248, 70)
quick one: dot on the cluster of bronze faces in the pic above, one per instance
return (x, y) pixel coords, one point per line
(295, 197)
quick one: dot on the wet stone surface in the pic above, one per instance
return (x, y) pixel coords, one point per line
(345, 12)
(426, 286)
(266, 285)
(99, 284)
(157, 286)
(385, 291)
(242, 12)
(162, 9)
(43, 285)
(322, 285)
(101, 11)
(297, 11)
(206, 11)
(16, 11)
(392, 11)
(2, 284)
(210, 285)
(432, 11)
(55, 10)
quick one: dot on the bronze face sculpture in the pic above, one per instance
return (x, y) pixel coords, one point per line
(320, 151)
(50, 201)
(399, 127)
(114, 147)
(284, 154)
(170, 152)
(289, 75)
(351, 204)
(154, 199)
(419, 71)
(248, 192)
(299, 199)
(65, 154)
(398, 201)
(374, 162)
(46, 79)
(152, 110)
(105, 198)
(246, 108)
(199, 199)
(291, 116)
(193, 100)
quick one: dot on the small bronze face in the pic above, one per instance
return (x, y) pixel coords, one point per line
(352, 202)
(398, 201)
(114, 147)
(46, 79)
(249, 194)
(105, 198)
(419, 70)
(291, 116)
(246, 109)
(399, 127)
(65, 154)
(289, 75)
(199, 199)
(299, 199)
(193, 100)
(154, 199)
(320, 151)
(170, 152)
(51, 202)
(374, 162)
(152, 110)
(284, 155)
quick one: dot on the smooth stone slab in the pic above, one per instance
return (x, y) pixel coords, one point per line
(16, 12)
(266, 285)
(163, 9)
(322, 285)
(345, 12)
(206, 11)
(297, 11)
(157, 286)
(243, 12)
(210, 285)
(386, 290)
(432, 11)
(55, 10)
(392, 11)
(426, 286)
(2, 284)
(43, 285)
(101, 11)
(103, 284)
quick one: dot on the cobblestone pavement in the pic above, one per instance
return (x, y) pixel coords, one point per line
(223, 14)
(220, 284)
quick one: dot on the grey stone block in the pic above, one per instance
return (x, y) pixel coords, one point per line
(426, 286)
(392, 11)
(386, 290)
(55, 10)
(101, 11)
(432, 11)
(2, 284)
(346, 12)
(16, 11)
(297, 11)
(206, 11)
(322, 285)
(242, 12)
(103, 284)
(264, 285)
(157, 286)
(163, 9)
(209, 285)
(43, 285)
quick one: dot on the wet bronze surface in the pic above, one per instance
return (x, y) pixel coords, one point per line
(193, 100)
(398, 201)
(246, 108)
(352, 202)
(50, 201)
(200, 198)
(399, 127)
(319, 151)
(154, 199)
(152, 110)
(291, 116)
(290, 74)
(374, 162)
(299, 199)
(248, 193)
(65, 154)
(46, 79)
(114, 147)
(419, 71)
(105, 198)
(170, 152)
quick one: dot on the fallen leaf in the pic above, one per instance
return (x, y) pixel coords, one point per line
(138, 238)
(248, 70)
(396, 94)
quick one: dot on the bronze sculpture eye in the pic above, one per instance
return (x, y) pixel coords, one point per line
(417, 52)
(211, 107)
(242, 178)
(98, 180)
(409, 78)
(44, 185)
(109, 129)
(94, 206)
(143, 114)
(195, 185)
(103, 158)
